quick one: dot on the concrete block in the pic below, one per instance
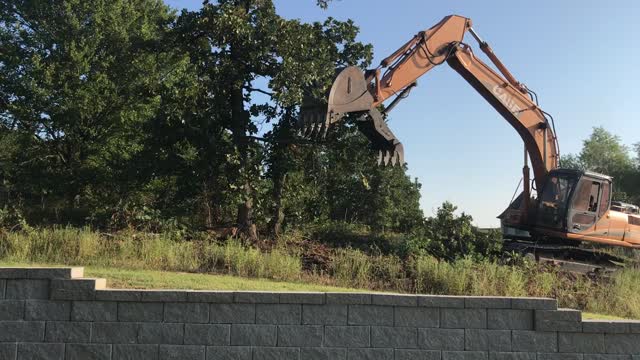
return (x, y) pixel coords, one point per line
(510, 319)
(157, 333)
(534, 304)
(302, 298)
(47, 310)
(8, 351)
(27, 289)
(580, 343)
(232, 313)
(94, 311)
(609, 327)
(512, 356)
(487, 340)
(463, 318)
(135, 352)
(256, 297)
(464, 355)
(394, 337)
(394, 300)
(273, 353)
(11, 310)
(186, 312)
(253, 335)
(622, 343)
(534, 341)
(67, 332)
(182, 352)
(409, 354)
(560, 320)
(22, 331)
(36, 351)
(229, 353)
(441, 339)
(348, 299)
(278, 314)
(87, 352)
(346, 336)
(163, 296)
(559, 315)
(76, 289)
(370, 315)
(118, 295)
(324, 314)
(207, 334)
(550, 325)
(634, 327)
(606, 357)
(439, 301)
(300, 335)
(3, 286)
(559, 356)
(114, 333)
(417, 317)
(41, 273)
(487, 302)
(147, 312)
(323, 354)
(13, 273)
(370, 354)
(211, 297)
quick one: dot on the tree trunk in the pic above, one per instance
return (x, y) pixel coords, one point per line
(275, 227)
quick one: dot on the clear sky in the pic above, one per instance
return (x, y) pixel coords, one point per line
(581, 57)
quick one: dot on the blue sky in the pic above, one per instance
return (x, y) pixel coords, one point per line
(581, 57)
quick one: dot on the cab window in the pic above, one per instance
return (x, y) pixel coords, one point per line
(604, 201)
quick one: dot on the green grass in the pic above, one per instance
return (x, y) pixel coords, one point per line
(592, 316)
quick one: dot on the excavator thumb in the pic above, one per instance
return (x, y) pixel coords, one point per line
(350, 94)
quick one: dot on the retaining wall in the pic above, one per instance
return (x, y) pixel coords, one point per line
(58, 314)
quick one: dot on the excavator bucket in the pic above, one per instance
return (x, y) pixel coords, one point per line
(350, 94)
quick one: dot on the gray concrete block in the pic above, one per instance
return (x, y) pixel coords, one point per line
(634, 327)
(273, 353)
(534, 304)
(510, 319)
(27, 289)
(512, 356)
(118, 295)
(323, 354)
(409, 354)
(157, 333)
(254, 335)
(534, 341)
(186, 312)
(232, 313)
(300, 335)
(580, 343)
(622, 343)
(487, 302)
(370, 354)
(550, 325)
(67, 332)
(346, 336)
(559, 315)
(559, 356)
(163, 296)
(324, 314)
(22, 331)
(464, 355)
(370, 315)
(394, 300)
(47, 310)
(135, 352)
(76, 289)
(114, 333)
(441, 339)
(560, 320)
(229, 353)
(302, 298)
(41, 272)
(207, 334)
(3, 286)
(439, 301)
(94, 311)
(606, 357)
(394, 337)
(278, 314)
(11, 310)
(609, 327)
(417, 317)
(211, 297)
(487, 340)
(181, 352)
(147, 312)
(8, 351)
(13, 273)
(348, 298)
(256, 297)
(463, 318)
(36, 351)
(87, 352)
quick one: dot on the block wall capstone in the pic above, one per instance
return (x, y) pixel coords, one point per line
(57, 314)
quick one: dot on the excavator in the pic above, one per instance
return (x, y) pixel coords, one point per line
(572, 208)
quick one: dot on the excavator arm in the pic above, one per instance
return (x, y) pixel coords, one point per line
(362, 92)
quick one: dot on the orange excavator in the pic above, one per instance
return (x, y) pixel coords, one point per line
(571, 207)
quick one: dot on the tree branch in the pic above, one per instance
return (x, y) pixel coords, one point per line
(259, 90)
